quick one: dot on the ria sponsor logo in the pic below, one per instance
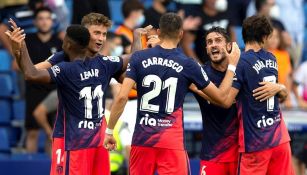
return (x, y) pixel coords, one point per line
(264, 122)
(86, 124)
(148, 121)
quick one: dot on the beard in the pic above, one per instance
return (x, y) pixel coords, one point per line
(223, 57)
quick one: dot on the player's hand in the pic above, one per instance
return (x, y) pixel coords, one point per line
(234, 54)
(17, 36)
(266, 90)
(153, 40)
(109, 142)
(142, 31)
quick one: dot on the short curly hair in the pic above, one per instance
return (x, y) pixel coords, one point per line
(256, 28)
(96, 19)
(79, 34)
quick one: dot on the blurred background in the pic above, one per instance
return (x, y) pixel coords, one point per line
(25, 107)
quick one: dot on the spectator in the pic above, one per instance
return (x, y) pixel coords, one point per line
(62, 17)
(41, 45)
(153, 14)
(275, 46)
(211, 15)
(81, 8)
(300, 79)
(132, 11)
(292, 16)
(270, 9)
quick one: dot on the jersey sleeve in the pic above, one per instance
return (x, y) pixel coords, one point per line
(238, 78)
(57, 74)
(115, 65)
(131, 68)
(57, 58)
(197, 74)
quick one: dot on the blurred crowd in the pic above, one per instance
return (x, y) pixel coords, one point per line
(45, 22)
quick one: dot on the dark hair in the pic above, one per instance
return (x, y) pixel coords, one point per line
(112, 35)
(42, 9)
(131, 5)
(220, 31)
(78, 34)
(259, 4)
(96, 19)
(256, 28)
(170, 25)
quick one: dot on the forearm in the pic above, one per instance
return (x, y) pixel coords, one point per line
(137, 42)
(117, 110)
(24, 62)
(283, 93)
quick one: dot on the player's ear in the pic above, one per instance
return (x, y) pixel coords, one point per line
(180, 34)
(158, 32)
(228, 46)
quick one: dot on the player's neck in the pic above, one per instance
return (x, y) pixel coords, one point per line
(253, 46)
(169, 44)
(76, 56)
(222, 67)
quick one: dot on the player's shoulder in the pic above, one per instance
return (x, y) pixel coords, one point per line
(106, 58)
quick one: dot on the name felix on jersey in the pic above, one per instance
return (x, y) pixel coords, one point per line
(88, 74)
(162, 62)
(268, 63)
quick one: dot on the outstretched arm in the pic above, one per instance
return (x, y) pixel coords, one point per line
(116, 111)
(20, 52)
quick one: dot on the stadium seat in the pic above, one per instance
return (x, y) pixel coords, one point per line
(14, 136)
(41, 141)
(28, 156)
(6, 87)
(16, 88)
(6, 60)
(19, 109)
(5, 114)
(4, 142)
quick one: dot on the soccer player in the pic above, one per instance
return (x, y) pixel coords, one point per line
(81, 88)
(162, 75)
(263, 137)
(219, 153)
(97, 25)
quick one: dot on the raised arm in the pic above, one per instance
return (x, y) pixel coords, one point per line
(135, 46)
(20, 52)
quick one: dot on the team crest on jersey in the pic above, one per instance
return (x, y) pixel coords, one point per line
(128, 67)
(55, 70)
(111, 58)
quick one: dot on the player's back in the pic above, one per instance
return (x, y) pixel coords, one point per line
(162, 77)
(263, 126)
(81, 87)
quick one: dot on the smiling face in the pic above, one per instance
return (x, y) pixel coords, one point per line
(98, 37)
(216, 46)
